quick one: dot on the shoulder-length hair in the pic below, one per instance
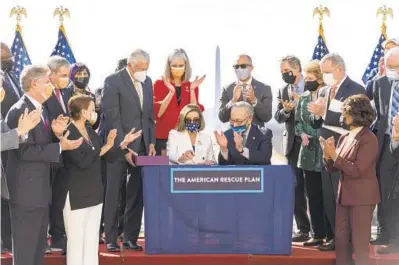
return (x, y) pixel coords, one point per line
(360, 109)
(77, 68)
(179, 54)
(182, 116)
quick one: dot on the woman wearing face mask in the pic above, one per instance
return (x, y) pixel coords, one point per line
(188, 144)
(80, 77)
(355, 157)
(309, 158)
(172, 94)
(84, 191)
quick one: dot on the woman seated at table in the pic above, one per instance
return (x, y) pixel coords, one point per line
(84, 190)
(188, 144)
(358, 193)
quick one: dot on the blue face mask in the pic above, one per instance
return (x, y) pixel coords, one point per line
(239, 129)
(192, 126)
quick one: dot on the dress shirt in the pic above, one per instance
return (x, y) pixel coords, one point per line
(239, 82)
(138, 87)
(61, 99)
(245, 151)
(39, 106)
(298, 88)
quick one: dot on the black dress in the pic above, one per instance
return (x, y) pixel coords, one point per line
(83, 169)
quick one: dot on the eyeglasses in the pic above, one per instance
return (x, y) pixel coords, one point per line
(238, 121)
(242, 66)
(197, 120)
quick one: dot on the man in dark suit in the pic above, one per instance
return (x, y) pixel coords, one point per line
(28, 169)
(57, 105)
(287, 98)
(326, 113)
(127, 103)
(247, 89)
(13, 93)
(388, 164)
(245, 143)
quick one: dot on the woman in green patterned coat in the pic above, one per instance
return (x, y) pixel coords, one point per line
(309, 159)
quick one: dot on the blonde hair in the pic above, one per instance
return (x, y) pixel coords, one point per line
(313, 67)
(179, 54)
(182, 116)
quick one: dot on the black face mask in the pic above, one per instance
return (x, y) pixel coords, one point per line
(289, 77)
(311, 85)
(342, 122)
(6, 66)
(81, 82)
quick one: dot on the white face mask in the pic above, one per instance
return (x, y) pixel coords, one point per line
(392, 74)
(329, 79)
(140, 76)
(93, 117)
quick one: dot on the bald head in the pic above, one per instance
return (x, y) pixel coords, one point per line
(392, 63)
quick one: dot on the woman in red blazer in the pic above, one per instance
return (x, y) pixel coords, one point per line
(358, 193)
(171, 94)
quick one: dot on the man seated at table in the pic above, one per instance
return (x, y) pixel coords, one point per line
(244, 143)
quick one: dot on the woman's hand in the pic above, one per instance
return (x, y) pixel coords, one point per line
(130, 137)
(111, 138)
(197, 82)
(188, 155)
(305, 139)
(328, 148)
(169, 85)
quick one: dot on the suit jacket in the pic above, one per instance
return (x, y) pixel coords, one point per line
(356, 160)
(259, 144)
(263, 109)
(10, 97)
(382, 90)
(287, 118)
(54, 107)
(394, 194)
(28, 168)
(9, 140)
(179, 143)
(348, 88)
(121, 108)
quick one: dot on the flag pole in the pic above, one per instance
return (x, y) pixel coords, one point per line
(385, 12)
(321, 11)
(18, 12)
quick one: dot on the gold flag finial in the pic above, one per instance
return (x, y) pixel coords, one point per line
(385, 12)
(18, 11)
(61, 12)
(321, 11)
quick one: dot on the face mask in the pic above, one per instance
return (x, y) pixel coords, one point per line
(6, 66)
(392, 74)
(192, 126)
(289, 77)
(177, 72)
(243, 74)
(63, 82)
(140, 76)
(239, 129)
(343, 123)
(81, 82)
(93, 117)
(48, 91)
(311, 85)
(329, 79)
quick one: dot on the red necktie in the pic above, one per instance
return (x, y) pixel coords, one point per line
(59, 97)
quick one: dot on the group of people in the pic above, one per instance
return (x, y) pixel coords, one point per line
(71, 167)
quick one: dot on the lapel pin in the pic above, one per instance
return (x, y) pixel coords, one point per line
(253, 138)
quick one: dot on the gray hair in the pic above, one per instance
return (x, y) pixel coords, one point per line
(179, 54)
(394, 52)
(293, 62)
(30, 73)
(335, 59)
(246, 56)
(138, 55)
(243, 104)
(56, 62)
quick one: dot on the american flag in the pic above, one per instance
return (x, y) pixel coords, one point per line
(62, 48)
(321, 48)
(20, 54)
(375, 59)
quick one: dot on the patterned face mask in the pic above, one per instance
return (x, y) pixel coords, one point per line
(192, 126)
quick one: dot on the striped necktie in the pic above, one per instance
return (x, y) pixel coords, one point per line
(394, 104)
(139, 89)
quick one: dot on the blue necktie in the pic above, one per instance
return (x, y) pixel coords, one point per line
(395, 103)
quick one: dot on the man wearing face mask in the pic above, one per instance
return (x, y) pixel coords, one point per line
(127, 103)
(288, 96)
(11, 83)
(28, 168)
(386, 99)
(326, 116)
(244, 143)
(247, 89)
(56, 105)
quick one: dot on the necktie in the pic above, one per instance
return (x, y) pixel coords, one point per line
(394, 104)
(333, 92)
(139, 90)
(59, 98)
(244, 139)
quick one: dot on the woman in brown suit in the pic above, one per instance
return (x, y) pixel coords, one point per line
(358, 194)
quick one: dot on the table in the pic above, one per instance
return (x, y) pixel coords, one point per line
(218, 209)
